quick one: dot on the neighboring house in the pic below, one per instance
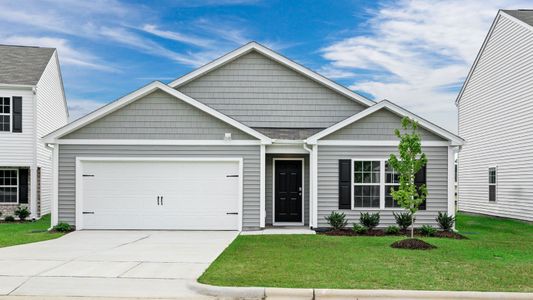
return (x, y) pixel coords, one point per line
(249, 140)
(496, 120)
(32, 104)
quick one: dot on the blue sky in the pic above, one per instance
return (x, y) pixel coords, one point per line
(414, 53)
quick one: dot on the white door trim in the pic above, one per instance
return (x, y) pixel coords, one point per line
(274, 223)
(79, 177)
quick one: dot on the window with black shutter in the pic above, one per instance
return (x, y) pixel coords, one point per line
(17, 114)
(23, 186)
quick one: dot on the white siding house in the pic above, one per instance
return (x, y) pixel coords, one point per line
(32, 104)
(495, 166)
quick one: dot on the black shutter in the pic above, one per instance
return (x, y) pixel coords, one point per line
(23, 186)
(420, 179)
(345, 184)
(17, 114)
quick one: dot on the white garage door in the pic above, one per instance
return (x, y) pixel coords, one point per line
(197, 195)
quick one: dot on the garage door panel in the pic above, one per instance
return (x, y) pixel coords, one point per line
(193, 195)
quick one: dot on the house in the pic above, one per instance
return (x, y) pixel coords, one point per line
(249, 140)
(32, 104)
(495, 119)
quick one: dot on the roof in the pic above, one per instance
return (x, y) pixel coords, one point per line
(254, 46)
(524, 15)
(288, 133)
(23, 65)
(138, 94)
(454, 139)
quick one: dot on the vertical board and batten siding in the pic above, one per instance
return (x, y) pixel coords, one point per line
(328, 182)
(269, 164)
(158, 116)
(379, 125)
(51, 115)
(495, 119)
(18, 148)
(67, 170)
(261, 92)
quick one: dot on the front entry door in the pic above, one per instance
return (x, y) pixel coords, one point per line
(288, 191)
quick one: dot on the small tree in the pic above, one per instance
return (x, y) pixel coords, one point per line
(409, 162)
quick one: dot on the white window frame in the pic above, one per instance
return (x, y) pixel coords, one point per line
(10, 114)
(389, 184)
(381, 184)
(11, 186)
(495, 184)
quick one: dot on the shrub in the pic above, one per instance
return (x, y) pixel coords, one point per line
(22, 212)
(392, 230)
(359, 229)
(9, 219)
(62, 227)
(336, 220)
(427, 230)
(403, 219)
(445, 221)
(369, 220)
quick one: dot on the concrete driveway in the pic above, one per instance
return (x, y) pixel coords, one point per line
(152, 264)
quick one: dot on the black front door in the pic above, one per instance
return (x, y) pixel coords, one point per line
(288, 191)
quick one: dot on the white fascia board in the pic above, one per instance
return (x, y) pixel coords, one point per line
(473, 67)
(378, 143)
(156, 142)
(156, 85)
(278, 58)
(454, 139)
(5, 86)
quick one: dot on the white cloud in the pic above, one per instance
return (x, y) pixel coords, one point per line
(413, 51)
(68, 55)
(177, 36)
(80, 107)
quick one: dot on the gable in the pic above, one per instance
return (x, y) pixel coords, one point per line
(260, 92)
(22, 64)
(379, 125)
(158, 115)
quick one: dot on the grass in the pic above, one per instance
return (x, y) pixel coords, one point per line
(29, 232)
(498, 256)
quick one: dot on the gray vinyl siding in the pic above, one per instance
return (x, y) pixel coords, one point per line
(67, 171)
(328, 182)
(260, 92)
(269, 161)
(158, 116)
(495, 119)
(377, 126)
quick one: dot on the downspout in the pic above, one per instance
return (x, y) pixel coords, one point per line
(311, 184)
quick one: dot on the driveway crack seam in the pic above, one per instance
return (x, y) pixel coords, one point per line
(129, 269)
(132, 242)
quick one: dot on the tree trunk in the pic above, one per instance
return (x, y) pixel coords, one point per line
(412, 225)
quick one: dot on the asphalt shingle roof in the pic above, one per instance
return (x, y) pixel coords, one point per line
(23, 65)
(524, 15)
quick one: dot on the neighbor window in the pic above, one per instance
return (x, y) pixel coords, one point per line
(366, 183)
(492, 184)
(8, 186)
(5, 114)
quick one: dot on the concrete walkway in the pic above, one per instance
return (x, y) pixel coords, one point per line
(152, 264)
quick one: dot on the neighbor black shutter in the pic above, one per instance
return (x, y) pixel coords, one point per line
(420, 179)
(17, 114)
(345, 186)
(23, 186)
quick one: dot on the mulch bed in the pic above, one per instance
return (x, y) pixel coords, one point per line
(381, 232)
(414, 244)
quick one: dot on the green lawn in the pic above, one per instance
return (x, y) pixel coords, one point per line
(498, 256)
(23, 233)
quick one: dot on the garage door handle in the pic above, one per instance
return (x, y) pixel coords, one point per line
(161, 200)
(232, 213)
(157, 200)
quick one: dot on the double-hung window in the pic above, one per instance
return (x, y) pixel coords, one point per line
(8, 186)
(373, 180)
(492, 184)
(5, 114)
